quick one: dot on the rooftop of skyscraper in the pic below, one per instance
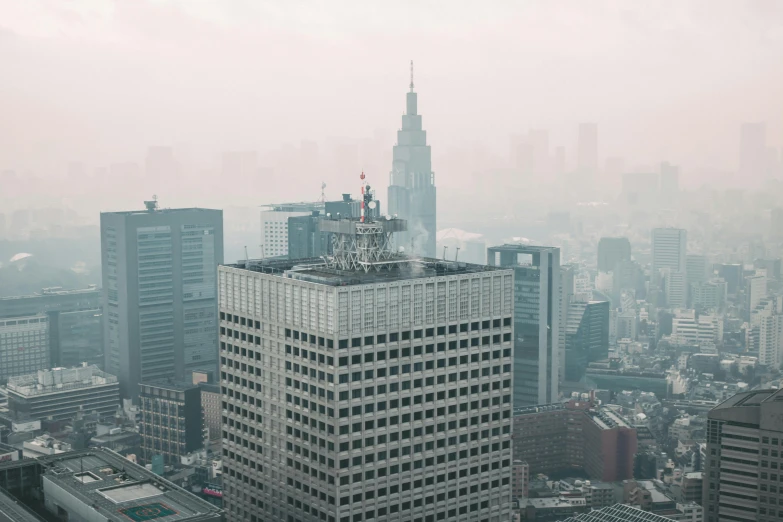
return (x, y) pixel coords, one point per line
(316, 270)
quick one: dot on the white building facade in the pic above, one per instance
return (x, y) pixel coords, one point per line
(352, 396)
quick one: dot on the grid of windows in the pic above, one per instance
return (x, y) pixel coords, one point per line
(24, 346)
(385, 424)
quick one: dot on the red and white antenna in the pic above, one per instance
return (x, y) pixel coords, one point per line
(362, 212)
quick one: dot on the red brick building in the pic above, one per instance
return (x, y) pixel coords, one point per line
(576, 435)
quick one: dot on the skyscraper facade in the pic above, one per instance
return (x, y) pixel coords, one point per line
(537, 311)
(160, 293)
(586, 337)
(744, 458)
(366, 387)
(669, 246)
(412, 193)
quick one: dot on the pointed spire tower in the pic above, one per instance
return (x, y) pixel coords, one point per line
(412, 193)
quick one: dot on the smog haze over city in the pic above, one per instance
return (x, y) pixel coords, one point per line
(344, 261)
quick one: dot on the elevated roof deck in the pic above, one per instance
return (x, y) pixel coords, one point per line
(316, 270)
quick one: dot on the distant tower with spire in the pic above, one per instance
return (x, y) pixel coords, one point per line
(412, 193)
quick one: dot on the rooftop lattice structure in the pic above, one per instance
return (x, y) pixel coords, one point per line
(364, 246)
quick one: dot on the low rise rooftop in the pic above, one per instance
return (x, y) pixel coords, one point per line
(121, 490)
(58, 380)
(618, 513)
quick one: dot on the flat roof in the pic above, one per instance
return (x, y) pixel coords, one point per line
(159, 211)
(748, 399)
(178, 386)
(315, 270)
(521, 249)
(618, 513)
(120, 490)
(11, 510)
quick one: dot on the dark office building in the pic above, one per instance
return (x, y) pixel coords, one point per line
(732, 274)
(612, 250)
(305, 239)
(160, 293)
(536, 319)
(171, 422)
(586, 337)
(745, 458)
(76, 337)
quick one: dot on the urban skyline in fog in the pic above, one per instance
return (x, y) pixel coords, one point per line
(91, 89)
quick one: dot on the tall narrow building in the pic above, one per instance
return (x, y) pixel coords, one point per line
(412, 193)
(669, 265)
(160, 293)
(537, 316)
(368, 385)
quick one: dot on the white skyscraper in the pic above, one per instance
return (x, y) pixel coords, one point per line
(369, 386)
(669, 266)
(274, 225)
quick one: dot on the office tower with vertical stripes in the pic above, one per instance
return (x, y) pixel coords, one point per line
(160, 293)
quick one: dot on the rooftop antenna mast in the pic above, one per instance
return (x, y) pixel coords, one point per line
(444, 252)
(323, 194)
(457, 254)
(411, 86)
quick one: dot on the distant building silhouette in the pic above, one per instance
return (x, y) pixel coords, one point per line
(587, 152)
(753, 152)
(412, 193)
(612, 250)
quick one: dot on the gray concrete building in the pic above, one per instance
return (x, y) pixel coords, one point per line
(412, 193)
(369, 386)
(744, 459)
(24, 345)
(73, 324)
(159, 292)
(62, 393)
(537, 316)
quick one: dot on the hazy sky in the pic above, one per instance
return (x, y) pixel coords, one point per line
(101, 80)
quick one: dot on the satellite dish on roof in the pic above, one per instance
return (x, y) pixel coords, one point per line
(372, 204)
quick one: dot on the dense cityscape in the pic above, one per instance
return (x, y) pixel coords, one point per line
(563, 335)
